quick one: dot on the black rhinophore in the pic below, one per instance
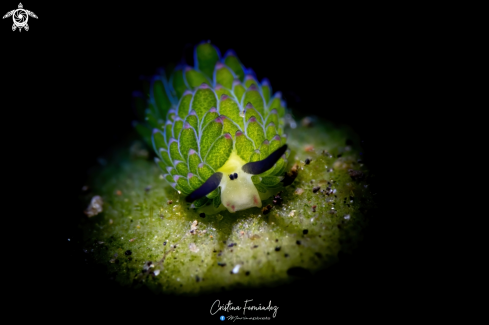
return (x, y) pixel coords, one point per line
(262, 166)
(210, 185)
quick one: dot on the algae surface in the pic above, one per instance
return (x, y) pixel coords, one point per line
(148, 236)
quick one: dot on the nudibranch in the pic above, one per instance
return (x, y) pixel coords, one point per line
(218, 133)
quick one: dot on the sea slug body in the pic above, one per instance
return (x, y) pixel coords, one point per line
(217, 132)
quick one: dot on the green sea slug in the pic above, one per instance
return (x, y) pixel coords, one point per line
(217, 132)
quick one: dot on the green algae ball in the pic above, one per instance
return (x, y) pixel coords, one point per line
(149, 235)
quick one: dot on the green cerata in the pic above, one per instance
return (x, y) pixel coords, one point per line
(217, 132)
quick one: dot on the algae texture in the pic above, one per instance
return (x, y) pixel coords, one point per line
(147, 235)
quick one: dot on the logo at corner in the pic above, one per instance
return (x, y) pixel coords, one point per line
(20, 17)
(222, 318)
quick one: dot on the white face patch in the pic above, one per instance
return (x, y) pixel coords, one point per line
(241, 193)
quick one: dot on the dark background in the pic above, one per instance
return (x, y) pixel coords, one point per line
(67, 87)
